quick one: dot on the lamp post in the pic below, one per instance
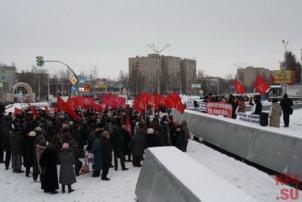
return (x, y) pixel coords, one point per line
(285, 43)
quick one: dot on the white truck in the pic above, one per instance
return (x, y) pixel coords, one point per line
(277, 91)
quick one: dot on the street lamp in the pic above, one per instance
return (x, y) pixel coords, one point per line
(285, 43)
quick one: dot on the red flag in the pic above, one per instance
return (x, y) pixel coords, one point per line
(66, 108)
(34, 111)
(261, 86)
(239, 87)
(46, 110)
(18, 111)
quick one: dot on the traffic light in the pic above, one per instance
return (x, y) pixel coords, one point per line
(40, 61)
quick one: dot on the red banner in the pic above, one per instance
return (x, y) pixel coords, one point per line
(218, 108)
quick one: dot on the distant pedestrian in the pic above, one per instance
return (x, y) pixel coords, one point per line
(287, 108)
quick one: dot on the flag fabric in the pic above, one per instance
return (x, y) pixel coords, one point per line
(260, 85)
(34, 111)
(66, 108)
(18, 111)
(240, 89)
(46, 110)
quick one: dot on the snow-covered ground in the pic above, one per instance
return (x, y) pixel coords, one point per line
(261, 186)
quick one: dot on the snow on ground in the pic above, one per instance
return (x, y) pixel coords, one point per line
(121, 188)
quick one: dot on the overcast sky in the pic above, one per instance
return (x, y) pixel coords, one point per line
(95, 33)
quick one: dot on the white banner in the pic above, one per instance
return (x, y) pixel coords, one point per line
(253, 118)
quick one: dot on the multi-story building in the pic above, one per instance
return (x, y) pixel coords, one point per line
(247, 76)
(161, 74)
(7, 79)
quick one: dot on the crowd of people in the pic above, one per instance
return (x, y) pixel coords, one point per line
(238, 104)
(38, 146)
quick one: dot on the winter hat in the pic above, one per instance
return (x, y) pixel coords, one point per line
(38, 129)
(150, 131)
(65, 146)
(32, 134)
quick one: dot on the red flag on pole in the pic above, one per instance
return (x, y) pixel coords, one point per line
(261, 86)
(240, 89)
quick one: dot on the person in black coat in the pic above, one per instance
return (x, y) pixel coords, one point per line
(127, 140)
(138, 146)
(181, 139)
(106, 154)
(97, 153)
(6, 127)
(29, 152)
(117, 142)
(287, 109)
(49, 176)
(16, 145)
(258, 109)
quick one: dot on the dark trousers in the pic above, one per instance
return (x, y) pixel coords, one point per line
(105, 171)
(136, 160)
(63, 187)
(17, 162)
(35, 168)
(286, 119)
(8, 155)
(77, 167)
(1, 153)
(120, 155)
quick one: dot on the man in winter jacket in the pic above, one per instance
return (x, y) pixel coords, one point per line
(16, 145)
(287, 108)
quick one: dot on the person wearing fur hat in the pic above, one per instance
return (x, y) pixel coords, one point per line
(39, 146)
(67, 173)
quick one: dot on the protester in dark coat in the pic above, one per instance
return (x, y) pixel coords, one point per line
(97, 153)
(29, 151)
(67, 174)
(106, 154)
(49, 174)
(153, 138)
(258, 109)
(234, 105)
(6, 127)
(186, 131)
(138, 147)
(117, 142)
(287, 109)
(181, 139)
(16, 145)
(127, 140)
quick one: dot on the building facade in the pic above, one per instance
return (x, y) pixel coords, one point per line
(247, 76)
(161, 74)
(7, 79)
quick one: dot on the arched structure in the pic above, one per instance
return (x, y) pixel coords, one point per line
(29, 96)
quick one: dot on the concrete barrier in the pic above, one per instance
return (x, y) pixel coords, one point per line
(170, 175)
(268, 147)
